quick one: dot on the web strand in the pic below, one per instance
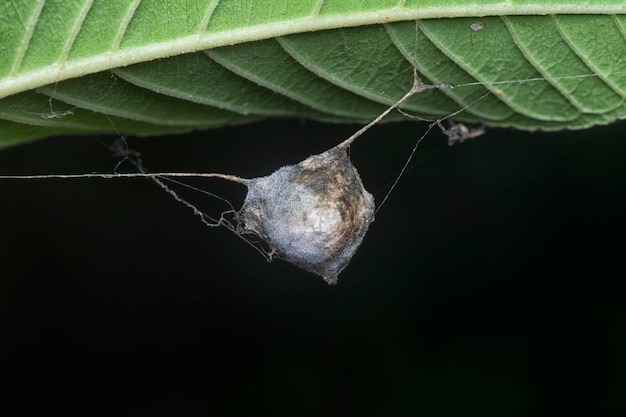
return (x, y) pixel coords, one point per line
(135, 159)
(118, 175)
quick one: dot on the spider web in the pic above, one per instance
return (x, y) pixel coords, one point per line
(168, 181)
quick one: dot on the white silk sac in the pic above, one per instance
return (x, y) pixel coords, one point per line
(313, 214)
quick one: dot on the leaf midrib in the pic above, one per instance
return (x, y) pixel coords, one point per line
(126, 56)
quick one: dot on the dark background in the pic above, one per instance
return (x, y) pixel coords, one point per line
(489, 285)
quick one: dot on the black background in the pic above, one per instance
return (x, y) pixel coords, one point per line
(490, 283)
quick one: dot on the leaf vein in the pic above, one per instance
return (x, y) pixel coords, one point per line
(204, 23)
(124, 24)
(317, 8)
(590, 63)
(532, 60)
(75, 30)
(27, 38)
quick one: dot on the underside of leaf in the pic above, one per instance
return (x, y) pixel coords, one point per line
(151, 67)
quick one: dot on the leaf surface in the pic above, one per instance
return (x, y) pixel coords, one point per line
(152, 67)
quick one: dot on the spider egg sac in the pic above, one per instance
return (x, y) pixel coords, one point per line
(313, 214)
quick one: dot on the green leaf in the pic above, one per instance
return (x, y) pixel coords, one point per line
(152, 67)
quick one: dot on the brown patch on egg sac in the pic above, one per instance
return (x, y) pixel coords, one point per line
(313, 214)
